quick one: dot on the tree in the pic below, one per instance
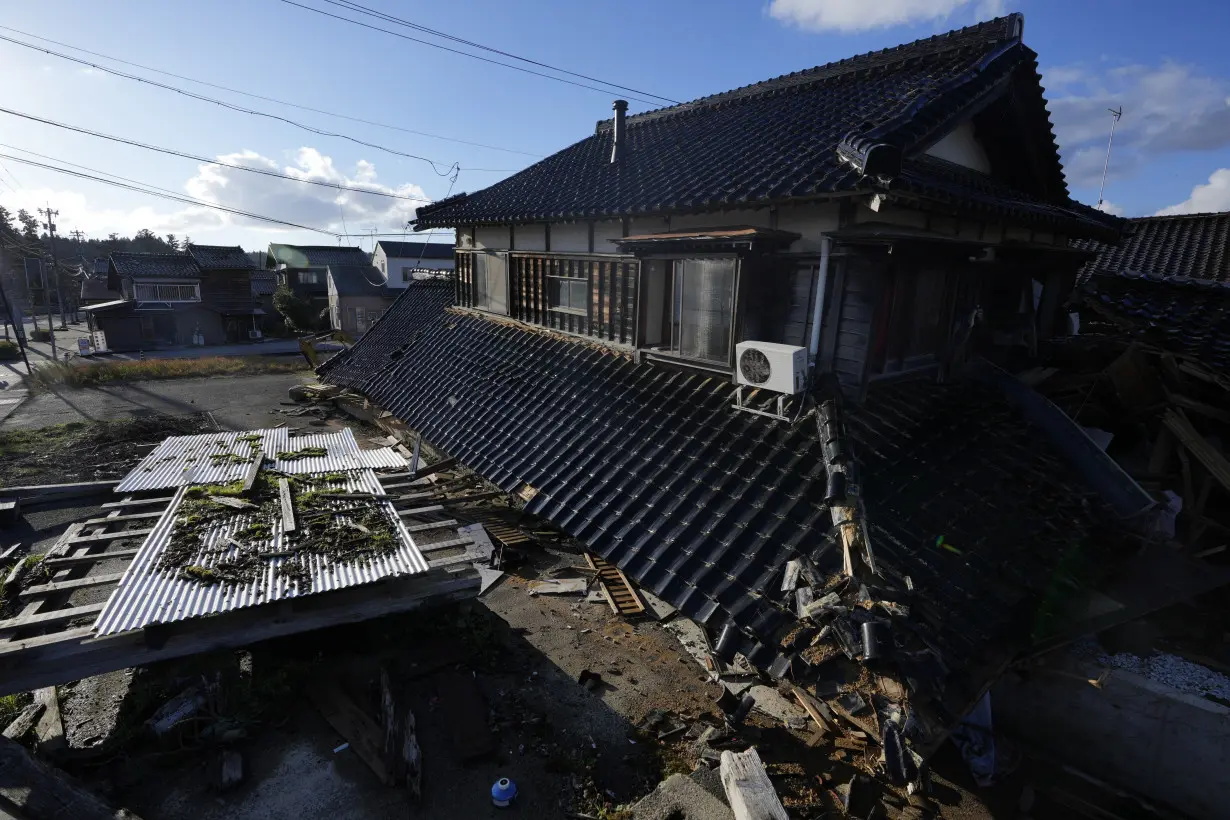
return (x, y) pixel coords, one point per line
(29, 225)
(6, 220)
(173, 241)
(187, 241)
(295, 310)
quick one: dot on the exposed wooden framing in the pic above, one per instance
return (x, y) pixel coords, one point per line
(71, 585)
(421, 510)
(100, 537)
(288, 509)
(57, 617)
(444, 545)
(365, 738)
(137, 502)
(131, 517)
(93, 558)
(432, 525)
(30, 663)
(1213, 461)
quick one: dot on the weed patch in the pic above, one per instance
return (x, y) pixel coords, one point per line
(51, 376)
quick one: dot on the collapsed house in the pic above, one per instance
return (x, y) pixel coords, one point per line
(718, 344)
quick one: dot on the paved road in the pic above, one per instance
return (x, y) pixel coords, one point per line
(237, 402)
(66, 340)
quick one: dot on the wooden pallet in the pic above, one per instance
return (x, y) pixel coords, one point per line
(615, 586)
(40, 646)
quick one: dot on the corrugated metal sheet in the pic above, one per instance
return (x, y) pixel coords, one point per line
(148, 595)
(183, 460)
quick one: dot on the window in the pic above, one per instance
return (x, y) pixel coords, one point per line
(491, 282)
(568, 294)
(690, 306)
(911, 320)
(309, 277)
(148, 292)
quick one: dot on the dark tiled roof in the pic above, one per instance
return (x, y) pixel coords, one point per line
(1194, 246)
(155, 265)
(703, 504)
(264, 282)
(357, 280)
(216, 257)
(316, 256)
(412, 250)
(94, 289)
(1191, 317)
(778, 140)
(419, 303)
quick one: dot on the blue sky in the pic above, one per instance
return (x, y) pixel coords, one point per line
(1165, 63)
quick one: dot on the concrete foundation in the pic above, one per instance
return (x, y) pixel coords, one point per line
(1148, 738)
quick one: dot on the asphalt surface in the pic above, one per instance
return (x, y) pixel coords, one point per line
(236, 402)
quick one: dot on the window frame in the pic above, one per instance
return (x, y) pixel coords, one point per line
(674, 283)
(555, 288)
(896, 322)
(482, 274)
(185, 292)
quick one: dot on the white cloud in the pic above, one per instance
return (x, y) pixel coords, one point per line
(862, 15)
(1213, 195)
(310, 205)
(1166, 108)
(1110, 208)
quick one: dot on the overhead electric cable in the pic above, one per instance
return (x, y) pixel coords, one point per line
(271, 99)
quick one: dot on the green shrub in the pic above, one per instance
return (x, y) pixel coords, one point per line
(40, 335)
(9, 351)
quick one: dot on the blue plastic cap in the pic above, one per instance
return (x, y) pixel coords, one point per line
(503, 792)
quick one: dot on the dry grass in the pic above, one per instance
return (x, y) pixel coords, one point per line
(87, 375)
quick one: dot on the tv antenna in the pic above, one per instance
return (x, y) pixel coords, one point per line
(1115, 114)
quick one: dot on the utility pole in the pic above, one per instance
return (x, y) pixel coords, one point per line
(1115, 114)
(50, 225)
(50, 214)
(18, 330)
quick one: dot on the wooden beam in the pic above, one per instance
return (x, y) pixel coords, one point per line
(137, 502)
(66, 586)
(100, 537)
(55, 617)
(129, 517)
(1198, 446)
(1199, 407)
(29, 663)
(421, 510)
(432, 525)
(356, 728)
(42, 493)
(39, 791)
(748, 788)
(288, 509)
(50, 728)
(92, 558)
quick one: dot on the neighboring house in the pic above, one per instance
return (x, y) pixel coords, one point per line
(226, 286)
(862, 213)
(263, 284)
(1168, 281)
(357, 297)
(95, 287)
(402, 262)
(303, 268)
(172, 299)
(862, 210)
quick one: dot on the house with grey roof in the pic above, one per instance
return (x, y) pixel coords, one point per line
(402, 262)
(358, 297)
(304, 268)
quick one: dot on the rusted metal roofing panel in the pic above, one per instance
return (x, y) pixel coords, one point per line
(219, 458)
(148, 594)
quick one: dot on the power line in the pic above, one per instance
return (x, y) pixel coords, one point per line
(448, 170)
(159, 192)
(458, 51)
(173, 152)
(274, 99)
(352, 6)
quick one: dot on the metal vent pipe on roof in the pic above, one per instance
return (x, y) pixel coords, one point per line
(621, 112)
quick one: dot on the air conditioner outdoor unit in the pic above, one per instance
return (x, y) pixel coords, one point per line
(771, 366)
(254, 334)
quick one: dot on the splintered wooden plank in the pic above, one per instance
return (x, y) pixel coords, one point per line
(433, 525)
(421, 510)
(1198, 446)
(748, 788)
(288, 509)
(56, 617)
(66, 586)
(130, 517)
(258, 458)
(81, 560)
(137, 502)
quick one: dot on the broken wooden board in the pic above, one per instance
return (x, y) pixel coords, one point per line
(49, 731)
(1213, 461)
(748, 789)
(40, 791)
(249, 478)
(559, 586)
(288, 509)
(353, 724)
(234, 503)
(817, 710)
(24, 722)
(66, 586)
(616, 587)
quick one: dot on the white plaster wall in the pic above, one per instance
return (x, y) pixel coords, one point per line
(892, 215)
(396, 263)
(720, 219)
(605, 230)
(531, 237)
(570, 237)
(491, 237)
(961, 146)
(812, 221)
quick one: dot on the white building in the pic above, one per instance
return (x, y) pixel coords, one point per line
(400, 262)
